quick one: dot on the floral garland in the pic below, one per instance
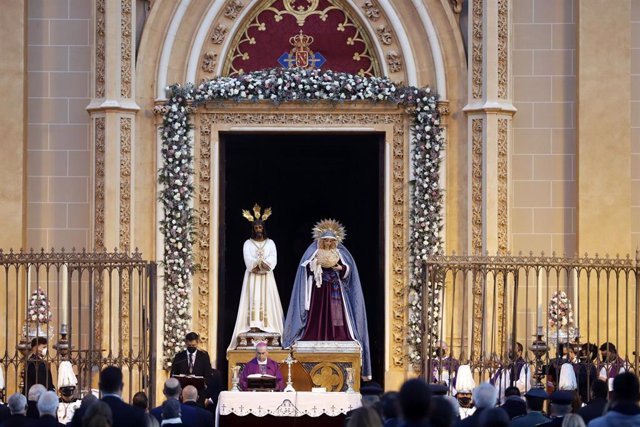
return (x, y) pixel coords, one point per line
(39, 310)
(281, 85)
(560, 311)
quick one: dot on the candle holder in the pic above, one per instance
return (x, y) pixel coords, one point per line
(350, 380)
(235, 378)
(289, 361)
(62, 346)
(539, 348)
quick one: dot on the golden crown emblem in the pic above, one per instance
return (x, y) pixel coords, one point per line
(301, 41)
(257, 213)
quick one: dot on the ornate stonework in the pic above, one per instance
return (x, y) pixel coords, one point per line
(476, 49)
(209, 62)
(503, 205)
(125, 214)
(233, 9)
(394, 61)
(456, 5)
(398, 197)
(477, 126)
(100, 49)
(125, 49)
(99, 134)
(371, 10)
(203, 190)
(503, 47)
(384, 35)
(218, 34)
(503, 220)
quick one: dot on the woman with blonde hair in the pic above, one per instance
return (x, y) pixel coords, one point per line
(573, 420)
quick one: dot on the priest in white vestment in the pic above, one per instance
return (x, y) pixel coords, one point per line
(260, 307)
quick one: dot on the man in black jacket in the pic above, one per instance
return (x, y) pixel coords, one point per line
(38, 369)
(193, 361)
(48, 410)
(190, 398)
(18, 407)
(513, 403)
(189, 415)
(595, 407)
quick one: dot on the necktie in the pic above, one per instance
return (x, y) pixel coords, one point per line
(191, 363)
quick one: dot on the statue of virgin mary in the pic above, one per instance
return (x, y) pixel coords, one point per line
(326, 301)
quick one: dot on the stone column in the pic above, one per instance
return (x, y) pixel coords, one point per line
(13, 119)
(489, 112)
(604, 127)
(113, 111)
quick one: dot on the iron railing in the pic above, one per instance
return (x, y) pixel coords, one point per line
(101, 311)
(488, 304)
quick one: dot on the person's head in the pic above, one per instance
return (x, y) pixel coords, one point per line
(190, 394)
(608, 352)
(191, 341)
(390, 405)
(67, 392)
(485, 395)
(328, 243)
(170, 409)
(48, 404)
(258, 230)
(35, 391)
(441, 414)
(535, 398)
(512, 391)
(87, 401)
(261, 352)
(494, 417)
(626, 388)
(39, 346)
(464, 399)
(97, 414)
(17, 404)
(599, 389)
(455, 406)
(371, 392)
(518, 353)
(573, 420)
(140, 400)
(561, 402)
(172, 389)
(111, 380)
(415, 400)
(441, 349)
(588, 352)
(365, 417)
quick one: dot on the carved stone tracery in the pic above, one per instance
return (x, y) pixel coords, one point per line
(100, 49)
(503, 220)
(125, 49)
(99, 205)
(477, 49)
(125, 215)
(477, 126)
(399, 199)
(503, 46)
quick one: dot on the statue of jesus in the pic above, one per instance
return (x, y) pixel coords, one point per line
(260, 308)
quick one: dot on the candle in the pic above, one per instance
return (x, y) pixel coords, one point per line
(539, 300)
(63, 294)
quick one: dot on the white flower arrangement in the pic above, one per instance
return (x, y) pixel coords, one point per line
(39, 310)
(560, 311)
(281, 85)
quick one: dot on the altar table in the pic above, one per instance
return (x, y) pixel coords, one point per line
(295, 408)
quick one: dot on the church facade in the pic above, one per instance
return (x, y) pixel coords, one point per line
(538, 100)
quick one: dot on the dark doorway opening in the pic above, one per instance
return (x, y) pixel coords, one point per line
(303, 178)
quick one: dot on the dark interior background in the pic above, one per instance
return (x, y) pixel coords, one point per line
(303, 178)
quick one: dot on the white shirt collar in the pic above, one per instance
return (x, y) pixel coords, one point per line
(262, 363)
(172, 421)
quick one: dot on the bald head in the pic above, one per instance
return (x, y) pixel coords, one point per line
(172, 388)
(190, 394)
(261, 351)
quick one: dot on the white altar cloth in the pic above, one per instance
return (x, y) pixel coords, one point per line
(280, 404)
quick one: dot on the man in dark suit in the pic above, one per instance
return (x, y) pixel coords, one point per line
(111, 386)
(48, 410)
(38, 369)
(193, 361)
(485, 397)
(189, 415)
(18, 407)
(190, 398)
(35, 392)
(595, 407)
(513, 403)
(560, 406)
